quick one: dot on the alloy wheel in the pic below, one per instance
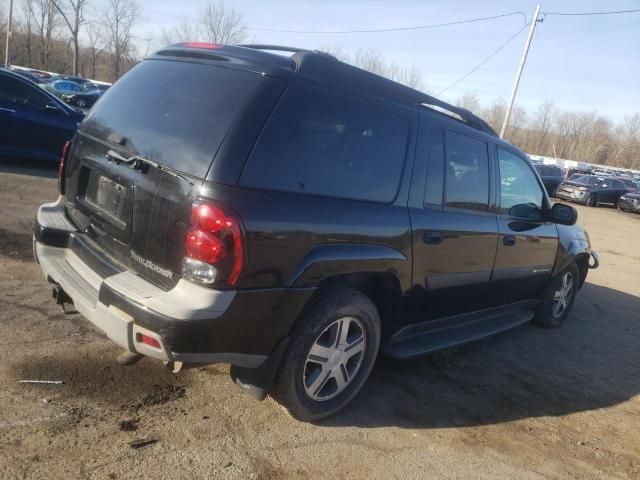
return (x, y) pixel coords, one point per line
(562, 296)
(334, 359)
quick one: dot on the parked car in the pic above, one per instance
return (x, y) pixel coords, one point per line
(592, 190)
(294, 216)
(90, 87)
(629, 184)
(62, 87)
(82, 99)
(73, 93)
(33, 123)
(575, 171)
(629, 202)
(552, 176)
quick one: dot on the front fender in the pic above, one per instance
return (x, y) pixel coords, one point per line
(573, 244)
(336, 259)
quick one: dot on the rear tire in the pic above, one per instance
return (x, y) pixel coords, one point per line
(330, 355)
(558, 298)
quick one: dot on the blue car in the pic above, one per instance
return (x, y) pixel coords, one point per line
(33, 123)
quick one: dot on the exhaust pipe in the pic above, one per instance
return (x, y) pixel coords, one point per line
(63, 299)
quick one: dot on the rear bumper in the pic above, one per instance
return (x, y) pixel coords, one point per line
(192, 323)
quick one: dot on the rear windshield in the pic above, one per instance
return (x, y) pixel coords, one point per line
(175, 113)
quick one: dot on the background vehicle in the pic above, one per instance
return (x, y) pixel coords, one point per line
(33, 123)
(415, 227)
(630, 202)
(592, 191)
(73, 93)
(90, 87)
(63, 87)
(552, 176)
(629, 184)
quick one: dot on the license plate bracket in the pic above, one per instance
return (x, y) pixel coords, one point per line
(108, 198)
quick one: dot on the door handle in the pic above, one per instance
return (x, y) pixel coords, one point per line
(509, 240)
(433, 238)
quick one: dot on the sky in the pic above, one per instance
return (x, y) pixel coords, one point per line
(589, 63)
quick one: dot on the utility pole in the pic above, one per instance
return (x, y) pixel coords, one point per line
(534, 21)
(6, 47)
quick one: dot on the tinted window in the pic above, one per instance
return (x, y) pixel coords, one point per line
(435, 169)
(519, 187)
(19, 93)
(316, 143)
(467, 163)
(175, 113)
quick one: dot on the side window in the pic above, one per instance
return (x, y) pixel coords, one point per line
(467, 164)
(435, 169)
(520, 193)
(16, 92)
(320, 144)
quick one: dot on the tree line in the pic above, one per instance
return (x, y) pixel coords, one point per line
(96, 39)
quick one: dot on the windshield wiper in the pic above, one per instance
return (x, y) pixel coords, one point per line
(137, 161)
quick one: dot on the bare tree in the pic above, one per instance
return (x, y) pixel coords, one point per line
(469, 101)
(373, 62)
(45, 21)
(72, 12)
(218, 24)
(96, 37)
(120, 18)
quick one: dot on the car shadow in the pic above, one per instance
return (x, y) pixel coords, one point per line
(31, 168)
(592, 361)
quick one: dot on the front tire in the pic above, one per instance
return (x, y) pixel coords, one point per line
(592, 201)
(330, 355)
(558, 298)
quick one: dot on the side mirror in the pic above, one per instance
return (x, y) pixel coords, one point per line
(563, 214)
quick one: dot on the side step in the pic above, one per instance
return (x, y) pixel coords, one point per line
(422, 338)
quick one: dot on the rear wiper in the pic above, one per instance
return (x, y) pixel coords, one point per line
(137, 161)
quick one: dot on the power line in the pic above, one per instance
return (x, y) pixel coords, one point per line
(495, 52)
(591, 13)
(375, 30)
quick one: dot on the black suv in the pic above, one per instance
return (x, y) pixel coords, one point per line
(551, 176)
(293, 216)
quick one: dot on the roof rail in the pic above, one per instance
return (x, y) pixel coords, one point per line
(275, 48)
(460, 114)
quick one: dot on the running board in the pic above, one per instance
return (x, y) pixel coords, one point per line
(422, 338)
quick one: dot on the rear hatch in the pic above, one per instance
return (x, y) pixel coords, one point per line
(172, 116)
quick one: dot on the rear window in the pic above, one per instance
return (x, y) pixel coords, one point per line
(175, 113)
(320, 144)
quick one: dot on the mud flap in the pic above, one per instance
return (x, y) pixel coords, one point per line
(256, 382)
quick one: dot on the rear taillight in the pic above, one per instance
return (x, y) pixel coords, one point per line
(61, 166)
(214, 246)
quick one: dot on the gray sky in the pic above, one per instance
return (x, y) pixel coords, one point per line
(579, 62)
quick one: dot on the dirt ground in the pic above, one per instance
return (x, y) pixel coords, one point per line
(528, 404)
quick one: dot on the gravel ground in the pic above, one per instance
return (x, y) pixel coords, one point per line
(530, 403)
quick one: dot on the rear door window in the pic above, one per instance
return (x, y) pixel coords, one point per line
(175, 113)
(320, 144)
(467, 165)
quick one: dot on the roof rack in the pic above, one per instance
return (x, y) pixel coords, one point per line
(460, 114)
